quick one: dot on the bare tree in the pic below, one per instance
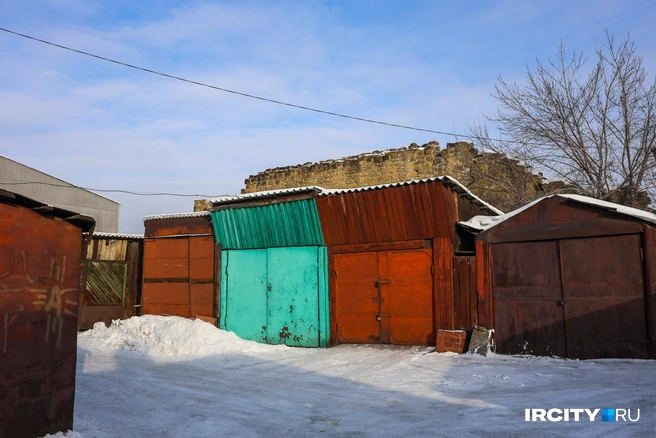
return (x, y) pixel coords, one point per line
(593, 127)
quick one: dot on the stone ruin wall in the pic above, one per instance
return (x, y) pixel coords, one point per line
(503, 182)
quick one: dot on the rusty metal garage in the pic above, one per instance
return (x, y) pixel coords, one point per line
(399, 272)
(569, 276)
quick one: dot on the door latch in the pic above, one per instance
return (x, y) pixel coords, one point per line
(381, 282)
(379, 318)
(561, 303)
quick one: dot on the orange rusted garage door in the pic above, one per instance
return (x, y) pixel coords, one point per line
(179, 276)
(385, 297)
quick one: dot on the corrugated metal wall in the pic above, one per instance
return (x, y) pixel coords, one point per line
(48, 189)
(294, 223)
(416, 211)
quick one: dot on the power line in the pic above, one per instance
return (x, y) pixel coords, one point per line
(129, 192)
(251, 96)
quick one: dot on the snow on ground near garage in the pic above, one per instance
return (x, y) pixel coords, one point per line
(155, 376)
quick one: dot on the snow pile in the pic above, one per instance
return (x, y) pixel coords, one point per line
(153, 335)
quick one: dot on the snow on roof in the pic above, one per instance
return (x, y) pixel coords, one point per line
(176, 215)
(444, 179)
(483, 223)
(117, 236)
(266, 194)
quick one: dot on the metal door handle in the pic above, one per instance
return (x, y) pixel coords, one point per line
(379, 318)
(561, 303)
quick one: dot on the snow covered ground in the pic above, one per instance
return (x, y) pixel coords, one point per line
(172, 377)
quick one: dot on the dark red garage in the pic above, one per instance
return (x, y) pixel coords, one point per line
(569, 276)
(40, 253)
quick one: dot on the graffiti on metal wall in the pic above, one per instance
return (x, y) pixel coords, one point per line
(44, 275)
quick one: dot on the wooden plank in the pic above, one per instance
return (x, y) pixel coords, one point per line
(133, 285)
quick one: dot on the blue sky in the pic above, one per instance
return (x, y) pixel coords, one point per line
(427, 64)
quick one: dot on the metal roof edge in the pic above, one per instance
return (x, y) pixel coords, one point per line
(265, 194)
(59, 179)
(117, 236)
(176, 215)
(446, 179)
(484, 223)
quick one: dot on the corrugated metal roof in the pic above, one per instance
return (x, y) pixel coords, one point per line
(483, 223)
(293, 223)
(447, 180)
(34, 184)
(265, 194)
(118, 236)
(176, 215)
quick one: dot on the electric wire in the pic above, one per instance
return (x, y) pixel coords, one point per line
(251, 96)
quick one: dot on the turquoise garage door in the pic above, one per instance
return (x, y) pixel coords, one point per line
(276, 295)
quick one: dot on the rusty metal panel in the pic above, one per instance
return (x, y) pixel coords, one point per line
(527, 294)
(39, 288)
(166, 258)
(604, 298)
(105, 283)
(178, 226)
(385, 297)
(409, 297)
(387, 214)
(464, 287)
(560, 218)
(356, 297)
(166, 299)
(179, 276)
(443, 283)
(649, 254)
(201, 257)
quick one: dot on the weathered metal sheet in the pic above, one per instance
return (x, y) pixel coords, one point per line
(604, 297)
(385, 297)
(244, 294)
(527, 293)
(356, 297)
(282, 224)
(179, 277)
(649, 255)
(105, 282)
(464, 288)
(409, 297)
(560, 218)
(276, 295)
(48, 189)
(576, 298)
(178, 225)
(389, 214)
(39, 288)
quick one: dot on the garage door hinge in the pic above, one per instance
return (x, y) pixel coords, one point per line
(336, 273)
(641, 256)
(337, 327)
(432, 269)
